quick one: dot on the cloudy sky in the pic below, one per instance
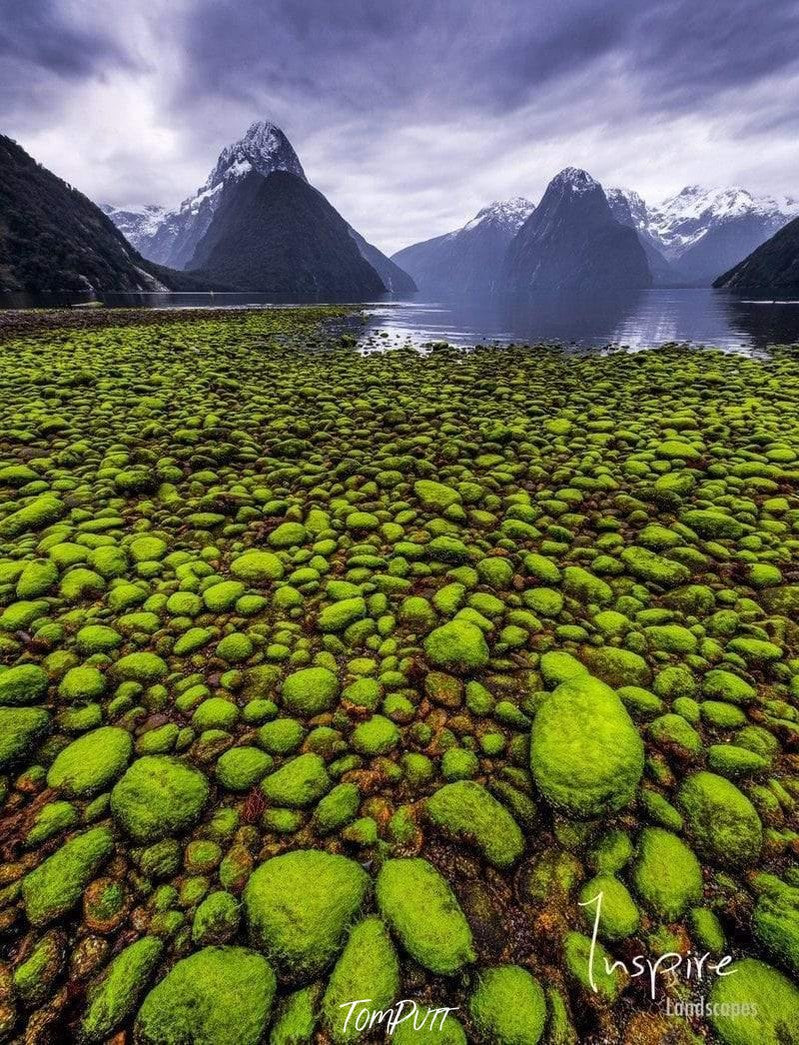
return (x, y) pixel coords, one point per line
(408, 116)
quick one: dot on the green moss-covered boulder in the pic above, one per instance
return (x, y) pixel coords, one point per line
(466, 812)
(112, 998)
(722, 822)
(241, 768)
(217, 996)
(618, 914)
(310, 691)
(298, 783)
(158, 796)
(22, 685)
(754, 1004)
(776, 926)
(55, 886)
(458, 646)
(298, 907)
(20, 728)
(367, 968)
(585, 753)
(508, 1006)
(422, 910)
(666, 874)
(92, 762)
(297, 1017)
(257, 567)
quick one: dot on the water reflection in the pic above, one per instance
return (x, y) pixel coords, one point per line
(638, 319)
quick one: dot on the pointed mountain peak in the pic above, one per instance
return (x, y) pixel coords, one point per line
(264, 148)
(575, 179)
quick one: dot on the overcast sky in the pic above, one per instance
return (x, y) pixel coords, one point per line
(409, 116)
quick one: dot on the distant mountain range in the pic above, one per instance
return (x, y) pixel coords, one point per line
(688, 240)
(177, 237)
(256, 224)
(469, 260)
(702, 232)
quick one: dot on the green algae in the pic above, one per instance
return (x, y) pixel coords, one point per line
(330, 587)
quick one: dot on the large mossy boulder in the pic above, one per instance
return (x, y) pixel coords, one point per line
(464, 811)
(422, 910)
(667, 875)
(158, 796)
(20, 729)
(457, 646)
(508, 1006)
(217, 996)
(112, 998)
(23, 684)
(368, 968)
(92, 762)
(298, 907)
(754, 1004)
(721, 821)
(55, 886)
(585, 753)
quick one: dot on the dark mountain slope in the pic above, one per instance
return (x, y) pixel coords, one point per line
(774, 266)
(278, 235)
(52, 238)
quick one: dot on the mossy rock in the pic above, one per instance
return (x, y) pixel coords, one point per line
(585, 754)
(217, 996)
(22, 685)
(458, 646)
(216, 920)
(309, 691)
(776, 926)
(618, 914)
(720, 819)
(299, 783)
(241, 768)
(422, 910)
(257, 567)
(771, 1016)
(113, 997)
(92, 762)
(296, 1018)
(464, 811)
(55, 886)
(617, 667)
(298, 907)
(508, 1006)
(158, 796)
(666, 874)
(20, 728)
(368, 968)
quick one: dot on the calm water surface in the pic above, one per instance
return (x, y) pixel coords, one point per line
(639, 319)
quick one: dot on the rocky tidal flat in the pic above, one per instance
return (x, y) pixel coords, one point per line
(331, 675)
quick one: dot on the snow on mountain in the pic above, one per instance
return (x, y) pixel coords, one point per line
(467, 260)
(507, 214)
(685, 218)
(170, 237)
(136, 223)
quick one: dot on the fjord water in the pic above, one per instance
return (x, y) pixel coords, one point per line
(635, 319)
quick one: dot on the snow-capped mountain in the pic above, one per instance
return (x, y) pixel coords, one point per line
(468, 260)
(573, 242)
(173, 237)
(701, 231)
(137, 224)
